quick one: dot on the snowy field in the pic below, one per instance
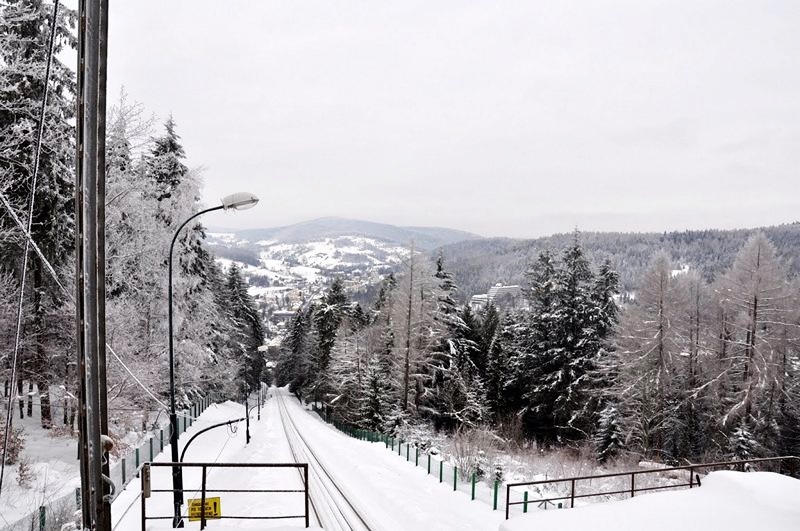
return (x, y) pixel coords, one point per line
(727, 501)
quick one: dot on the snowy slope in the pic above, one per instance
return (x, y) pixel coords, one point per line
(727, 501)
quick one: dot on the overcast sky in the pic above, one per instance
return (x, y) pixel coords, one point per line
(505, 118)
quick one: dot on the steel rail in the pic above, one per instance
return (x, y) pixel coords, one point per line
(315, 462)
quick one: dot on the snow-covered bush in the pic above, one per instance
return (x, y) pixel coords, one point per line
(25, 473)
(470, 449)
(16, 441)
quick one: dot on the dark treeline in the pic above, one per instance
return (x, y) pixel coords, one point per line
(479, 264)
(692, 368)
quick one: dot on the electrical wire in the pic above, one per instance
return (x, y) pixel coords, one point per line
(70, 297)
(31, 204)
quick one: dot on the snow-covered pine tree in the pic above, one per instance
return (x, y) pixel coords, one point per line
(561, 351)
(503, 387)
(457, 396)
(328, 317)
(248, 329)
(472, 339)
(490, 321)
(742, 443)
(165, 165)
(24, 33)
(608, 439)
(294, 363)
(535, 342)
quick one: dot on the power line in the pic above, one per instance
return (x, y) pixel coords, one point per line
(71, 298)
(31, 204)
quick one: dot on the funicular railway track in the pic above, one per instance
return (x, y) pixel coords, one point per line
(332, 507)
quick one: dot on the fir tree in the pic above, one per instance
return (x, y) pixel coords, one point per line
(24, 34)
(328, 316)
(166, 167)
(608, 438)
(250, 330)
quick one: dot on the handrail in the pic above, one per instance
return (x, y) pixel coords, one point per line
(204, 489)
(632, 474)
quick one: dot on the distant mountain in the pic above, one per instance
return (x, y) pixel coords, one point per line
(285, 266)
(425, 238)
(479, 264)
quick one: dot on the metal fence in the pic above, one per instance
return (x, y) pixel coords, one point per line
(671, 478)
(204, 489)
(469, 482)
(53, 514)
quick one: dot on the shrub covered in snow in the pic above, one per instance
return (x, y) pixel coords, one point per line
(16, 440)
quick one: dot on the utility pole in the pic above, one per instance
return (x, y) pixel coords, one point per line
(90, 262)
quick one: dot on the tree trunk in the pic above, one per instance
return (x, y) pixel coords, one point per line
(72, 413)
(21, 398)
(41, 367)
(407, 365)
(30, 397)
(44, 402)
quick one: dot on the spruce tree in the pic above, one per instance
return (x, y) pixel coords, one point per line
(608, 438)
(328, 316)
(25, 28)
(458, 392)
(249, 328)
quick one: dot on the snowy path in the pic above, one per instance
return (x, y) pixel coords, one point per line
(353, 484)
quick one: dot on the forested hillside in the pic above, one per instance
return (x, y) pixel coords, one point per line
(479, 264)
(696, 367)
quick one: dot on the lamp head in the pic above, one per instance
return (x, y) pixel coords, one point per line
(239, 201)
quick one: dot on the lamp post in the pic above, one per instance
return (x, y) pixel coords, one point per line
(238, 201)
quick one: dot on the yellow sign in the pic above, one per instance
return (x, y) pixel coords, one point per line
(213, 509)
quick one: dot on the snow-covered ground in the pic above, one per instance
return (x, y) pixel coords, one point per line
(385, 489)
(54, 466)
(727, 501)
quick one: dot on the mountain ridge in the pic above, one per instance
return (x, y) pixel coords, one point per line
(424, 237)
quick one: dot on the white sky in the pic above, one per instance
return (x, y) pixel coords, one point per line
(510, 118)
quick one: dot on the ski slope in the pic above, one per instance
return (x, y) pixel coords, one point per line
(353, 484)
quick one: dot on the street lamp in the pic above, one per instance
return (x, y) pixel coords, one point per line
(237, 201)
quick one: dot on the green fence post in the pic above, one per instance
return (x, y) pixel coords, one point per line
(473, 486)
(399, 445)
(455, 476)
(416, 458)
(496, 488)
(441, 471)
(392, 444)
(42, 514)
(386, 440)
(137, 458)
(151, 448)
(408, 452)
(123, 472)
(525, 502)
(162, 439)
(429, 463)
(78, 498)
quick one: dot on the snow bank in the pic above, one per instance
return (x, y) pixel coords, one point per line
(727, 501)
